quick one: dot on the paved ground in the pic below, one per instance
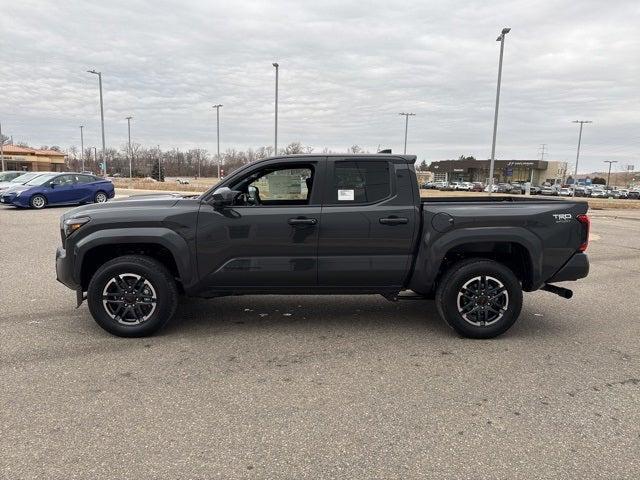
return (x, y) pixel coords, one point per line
(313, 387)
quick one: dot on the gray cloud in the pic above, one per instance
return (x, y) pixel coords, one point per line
(347, 69)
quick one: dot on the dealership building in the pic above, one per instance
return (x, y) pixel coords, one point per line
(507, 171)
(32, 159)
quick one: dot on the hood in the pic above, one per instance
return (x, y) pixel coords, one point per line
(15, 188)
(166, 200)
(6, 185)
(153, 196)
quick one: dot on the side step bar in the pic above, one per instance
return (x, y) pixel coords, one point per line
(563, 292)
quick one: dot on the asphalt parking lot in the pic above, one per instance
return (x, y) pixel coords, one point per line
(318, 387)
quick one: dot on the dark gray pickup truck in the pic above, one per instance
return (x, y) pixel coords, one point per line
(321, 224)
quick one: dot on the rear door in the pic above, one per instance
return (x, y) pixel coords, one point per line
(368, 223)
(85, 188)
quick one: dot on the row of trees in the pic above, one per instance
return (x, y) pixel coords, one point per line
(196, 162)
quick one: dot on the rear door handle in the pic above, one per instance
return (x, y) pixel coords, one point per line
(394, 221)
(302, 221)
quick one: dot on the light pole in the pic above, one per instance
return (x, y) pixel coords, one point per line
(575, 175)
(104, 153)
(406, 127)
(609, 174)
(82, 146)
(95, 156)
(159, 165)
(495, 115)
(217, 107)
(1, 147)
(130, 151)
(275, 142)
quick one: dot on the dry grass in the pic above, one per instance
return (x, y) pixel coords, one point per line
(170, 184)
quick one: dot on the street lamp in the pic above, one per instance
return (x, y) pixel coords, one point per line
(104, 153)
(275, 142)
(406, 127)
(495, 116)
(217, 107)
(82, 146)
(95, 157)
(609, 174)
(130, 151)
(575, 175)
(1, 148)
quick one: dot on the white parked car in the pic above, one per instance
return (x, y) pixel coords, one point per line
(182, 181)
(565, 192)
(465, 186)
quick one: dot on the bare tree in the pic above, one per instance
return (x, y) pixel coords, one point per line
(294, 148)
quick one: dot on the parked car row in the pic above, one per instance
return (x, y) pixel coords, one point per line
(598, 191)
(465, 186)
(519, 188)
(514, 188)
(40, 189)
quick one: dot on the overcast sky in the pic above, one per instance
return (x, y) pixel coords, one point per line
(347, 69)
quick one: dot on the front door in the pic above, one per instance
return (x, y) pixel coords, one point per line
(268, 239)
(63, 189)
(369, 220)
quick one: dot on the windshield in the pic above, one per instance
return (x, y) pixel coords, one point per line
(25, 177)
(40, 179)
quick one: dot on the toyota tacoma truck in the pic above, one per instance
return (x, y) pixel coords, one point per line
(321, 224)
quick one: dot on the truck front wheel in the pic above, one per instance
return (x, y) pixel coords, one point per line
(132, 296)
(479, 298)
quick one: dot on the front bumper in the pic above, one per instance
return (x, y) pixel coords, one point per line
(14, 199)
(64, 269)
(577, 267)
(7, 198)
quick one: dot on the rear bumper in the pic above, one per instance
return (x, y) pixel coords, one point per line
(577, 267)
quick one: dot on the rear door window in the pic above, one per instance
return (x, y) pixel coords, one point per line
(359, 181)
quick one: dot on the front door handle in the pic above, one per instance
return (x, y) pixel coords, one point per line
(394, 221)
(302, 221)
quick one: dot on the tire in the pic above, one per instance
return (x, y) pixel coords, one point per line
(38, 202)
(100, 197)
(470, 312)
(115, 284)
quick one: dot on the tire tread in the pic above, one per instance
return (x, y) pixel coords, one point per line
(147, 263)
(444, 288)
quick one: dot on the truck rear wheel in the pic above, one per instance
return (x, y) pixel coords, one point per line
(479, 298)
(132, 296)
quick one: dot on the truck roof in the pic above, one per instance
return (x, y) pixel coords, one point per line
(407, 158)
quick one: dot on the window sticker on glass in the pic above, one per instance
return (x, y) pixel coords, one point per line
(346, 195)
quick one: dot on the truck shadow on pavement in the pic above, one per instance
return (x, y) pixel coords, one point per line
(312, 313)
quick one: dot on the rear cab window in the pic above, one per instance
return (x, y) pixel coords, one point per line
(359, 182)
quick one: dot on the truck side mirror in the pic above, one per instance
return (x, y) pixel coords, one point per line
(223, 197)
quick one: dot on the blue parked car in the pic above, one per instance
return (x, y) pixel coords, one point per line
(59, 189)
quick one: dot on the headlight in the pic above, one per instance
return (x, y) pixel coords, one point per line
(18, 194)
(70, 225)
